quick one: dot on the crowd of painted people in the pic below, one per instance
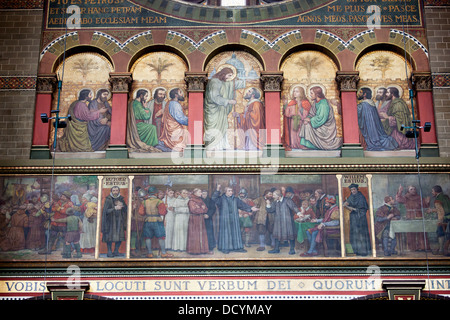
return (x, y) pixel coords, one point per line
(198, 222)
(41, 224)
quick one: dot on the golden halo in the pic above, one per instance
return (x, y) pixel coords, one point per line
(90, 89)
(226, 65)
(135, 92)
(324, 90)
(400, 89)
(109, 93)
(291, 90)
(154, 90)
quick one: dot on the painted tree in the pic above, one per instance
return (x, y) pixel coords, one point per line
(159, 67)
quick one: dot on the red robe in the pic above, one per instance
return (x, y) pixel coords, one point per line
(197, 239)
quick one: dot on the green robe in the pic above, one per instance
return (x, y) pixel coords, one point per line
(146, 131)
(400, 111)
(216, 109)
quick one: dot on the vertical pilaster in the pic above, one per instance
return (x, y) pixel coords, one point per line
(196, 84)
(45, 87)
(120, 86)
(347, 84)
(423, 86)
(272, 82)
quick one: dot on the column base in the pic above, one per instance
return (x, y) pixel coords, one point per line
(117, 152)
(40, 152)
(194, 151)
(352, 150)
(274, 150)
(429, 150)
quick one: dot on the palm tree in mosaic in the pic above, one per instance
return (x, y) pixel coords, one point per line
(309, 64)
(382, 64)
(85, 67)
(159, 67)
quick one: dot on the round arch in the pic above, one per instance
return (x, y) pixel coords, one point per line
(234, 47)
(157, 48)
(81, 49)
(310, 47)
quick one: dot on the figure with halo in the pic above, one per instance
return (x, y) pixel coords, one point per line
(220, 98)
(319, 129)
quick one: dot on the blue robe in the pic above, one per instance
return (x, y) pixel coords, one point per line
(230, 238)
(372, 129)
(99, 134)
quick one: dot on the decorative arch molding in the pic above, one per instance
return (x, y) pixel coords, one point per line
(205, 45)
(397, 37)
(61, 43)
(281, 44)
(335, 44)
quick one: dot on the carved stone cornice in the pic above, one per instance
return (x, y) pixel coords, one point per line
(272, 81)
(347, 80)
(120, 82)
(46, 83)
(422, 81)
(196, 81)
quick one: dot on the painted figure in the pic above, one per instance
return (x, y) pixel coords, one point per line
(397, 114)
(100, 129)
(76, 137)
(383, 217)
(359, 227)
(114, 221)
(174, 133)
(197, 238)
(220, 97)
(230, 238)
(295, 112)
(284, 210)
(370, 124)
(250, 123)
(319, 129)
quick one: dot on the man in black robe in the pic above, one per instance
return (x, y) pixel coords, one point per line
(284, 209)
(209, 225)
(114, 221)
(359, 227)
(230, 238)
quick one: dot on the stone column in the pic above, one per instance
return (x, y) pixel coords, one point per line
(196, 84)
(347, 85)
(45, 87)
(120, 86)
(423, 86)
(272, 82)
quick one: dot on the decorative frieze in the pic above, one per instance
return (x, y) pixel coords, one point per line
(120, 82)
(347, 80)
(272, 81)
(46, 83)
(196, 81)
(422, 81)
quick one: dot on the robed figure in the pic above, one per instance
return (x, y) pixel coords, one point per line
(319, 129)
(284, 210)
(230, 237)
(220, 97)
(114, 221)
(359, 227)
(100, 129)
(370, 124)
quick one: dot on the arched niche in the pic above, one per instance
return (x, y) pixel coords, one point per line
(303, 70)
(155, 73)
(84, 73)
(223, 118)
(385, 80)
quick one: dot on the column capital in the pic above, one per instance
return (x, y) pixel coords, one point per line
(120, 82)
(46, 83)
(272, 80)
(347, 80)
(196, 81)
(422, 81)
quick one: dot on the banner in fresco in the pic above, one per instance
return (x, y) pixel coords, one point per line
(144, 14)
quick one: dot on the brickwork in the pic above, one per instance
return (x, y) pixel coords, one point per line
(20, 32)
(438, 32)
